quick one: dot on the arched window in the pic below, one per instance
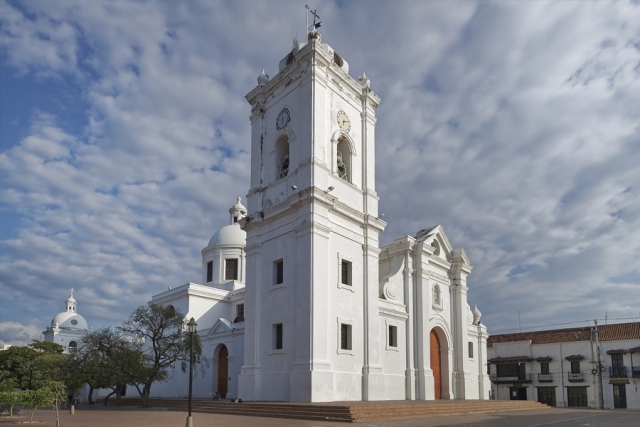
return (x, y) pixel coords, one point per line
(73, 346)
(282, 157)
(343, 160)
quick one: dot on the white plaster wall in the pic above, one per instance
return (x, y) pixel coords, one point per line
(559, 369)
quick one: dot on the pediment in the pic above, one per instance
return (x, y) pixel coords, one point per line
(436, 234)
(221, 326)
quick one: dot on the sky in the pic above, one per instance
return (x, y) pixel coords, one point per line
(125, 139)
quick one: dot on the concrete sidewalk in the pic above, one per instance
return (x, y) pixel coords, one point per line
(100, 416)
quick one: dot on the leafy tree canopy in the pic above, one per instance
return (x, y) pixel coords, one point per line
(158, 334)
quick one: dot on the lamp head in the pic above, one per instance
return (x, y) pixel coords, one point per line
(192, 325)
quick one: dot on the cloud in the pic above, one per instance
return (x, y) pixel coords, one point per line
(19, 334)
(514, 125)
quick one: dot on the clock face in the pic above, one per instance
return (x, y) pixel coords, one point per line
(283, 119)
(343, 121)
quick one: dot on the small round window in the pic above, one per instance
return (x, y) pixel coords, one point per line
(74, 322)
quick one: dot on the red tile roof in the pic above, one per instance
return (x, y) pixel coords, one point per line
(510, 359)
(619, 331)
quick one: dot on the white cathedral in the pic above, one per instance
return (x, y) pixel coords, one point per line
(298, 301)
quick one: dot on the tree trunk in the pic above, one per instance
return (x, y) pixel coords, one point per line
(33, 411)
(57, 412)
(118, 396)
(106, 399)
(90, 395)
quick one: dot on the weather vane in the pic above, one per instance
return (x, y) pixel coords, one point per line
(315, 25)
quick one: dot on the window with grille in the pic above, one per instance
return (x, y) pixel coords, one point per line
(240, 311)
(507, 369)
(547, 395)
(575, 366)
(231, 269)
(616, 360)
(577, 396)
(345, 272)
(209, 271)
(470, 350)
(544, 368)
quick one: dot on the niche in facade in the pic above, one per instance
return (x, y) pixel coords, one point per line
(343, 160)
(282, 157)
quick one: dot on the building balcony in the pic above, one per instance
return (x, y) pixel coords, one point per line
(617, 372)
(636, 372)
(522, 378)
(575, 378)
(545, 378)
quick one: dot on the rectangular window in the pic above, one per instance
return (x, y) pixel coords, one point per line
(277, 336)
(209, 271)
(616, 360)
(507, 369)
(470, 350)
(278, 272)
(231, 269)
(393, 336)
(345, 272)
(240, 311)
(544, 368)
(345, 336)
(575, 366)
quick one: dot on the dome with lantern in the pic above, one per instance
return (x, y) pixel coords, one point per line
(69, 319)
(232, 234)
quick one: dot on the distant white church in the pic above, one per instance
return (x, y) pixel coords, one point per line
(299, 302)
(68, 327)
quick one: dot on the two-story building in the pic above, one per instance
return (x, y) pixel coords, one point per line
(595, 367)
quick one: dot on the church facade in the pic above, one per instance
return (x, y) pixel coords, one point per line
(300, 302)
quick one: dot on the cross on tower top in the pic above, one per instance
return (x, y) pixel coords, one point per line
(315, 25)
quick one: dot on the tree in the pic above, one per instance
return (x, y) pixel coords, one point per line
(32, 399)
(50, 394)
(157, 333)
(26, 365)
(108, 360)
(15, 364)
(46, 347)
(10, 398)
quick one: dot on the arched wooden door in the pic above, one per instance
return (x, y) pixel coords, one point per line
(223, 371)
(436, 365)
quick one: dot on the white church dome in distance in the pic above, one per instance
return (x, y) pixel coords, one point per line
(232, 234)
(69, 319)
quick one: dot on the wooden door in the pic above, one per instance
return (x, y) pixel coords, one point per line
(223, 371)
(436, 364)
(619, 396)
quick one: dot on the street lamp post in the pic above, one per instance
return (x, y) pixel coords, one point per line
(73, 386)
(192, 330)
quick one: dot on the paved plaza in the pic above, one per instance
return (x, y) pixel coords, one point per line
(99, 416)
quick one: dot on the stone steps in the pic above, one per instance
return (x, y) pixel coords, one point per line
(346, 412)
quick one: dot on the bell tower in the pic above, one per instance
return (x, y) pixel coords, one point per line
(311, 316)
